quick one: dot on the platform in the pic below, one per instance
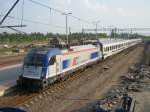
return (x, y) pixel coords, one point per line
(7, 87)
(8, 77)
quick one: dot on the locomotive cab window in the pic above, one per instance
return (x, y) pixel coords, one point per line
(52, 60)
(34, 60)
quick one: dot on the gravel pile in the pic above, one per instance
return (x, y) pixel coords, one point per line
(136, 81)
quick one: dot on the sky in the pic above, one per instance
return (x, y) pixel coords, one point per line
(110, 13)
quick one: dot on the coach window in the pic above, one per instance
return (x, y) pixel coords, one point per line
(52, 60)
(104, 49)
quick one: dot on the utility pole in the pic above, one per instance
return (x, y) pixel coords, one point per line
(82, 30)
(96, 31)
(67, 27)
(69, 35)
(110, 29)
(96, 23)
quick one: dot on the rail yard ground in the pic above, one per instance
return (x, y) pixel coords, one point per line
(84, 89)
(11, 60)
(7, 57)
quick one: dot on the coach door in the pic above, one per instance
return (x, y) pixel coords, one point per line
(52, 66)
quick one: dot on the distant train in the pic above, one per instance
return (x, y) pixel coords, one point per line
(43, 66)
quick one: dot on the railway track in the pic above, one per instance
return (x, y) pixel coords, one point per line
(56, 90)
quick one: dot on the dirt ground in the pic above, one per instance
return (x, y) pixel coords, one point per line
(15, 58)
(11, 60)
(81, 94)
(143, 96)
(143, 101)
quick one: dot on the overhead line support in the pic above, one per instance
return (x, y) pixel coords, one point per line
(9, 12)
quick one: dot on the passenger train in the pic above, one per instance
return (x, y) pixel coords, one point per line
(43, 66)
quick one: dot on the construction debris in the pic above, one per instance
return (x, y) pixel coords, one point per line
(137, 80)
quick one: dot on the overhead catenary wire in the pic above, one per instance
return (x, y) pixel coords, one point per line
(16, 30)
(59, 11)
(37, 22)
(42, 23)
(63, 27)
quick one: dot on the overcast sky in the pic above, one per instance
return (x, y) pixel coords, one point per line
(116, 13)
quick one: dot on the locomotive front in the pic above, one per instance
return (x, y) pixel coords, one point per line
(35, 68)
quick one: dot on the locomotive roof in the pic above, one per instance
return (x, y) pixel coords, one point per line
(78, 48)
(45, 50)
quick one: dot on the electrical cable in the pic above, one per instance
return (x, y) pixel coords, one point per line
(59, 11)
(36, 22)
